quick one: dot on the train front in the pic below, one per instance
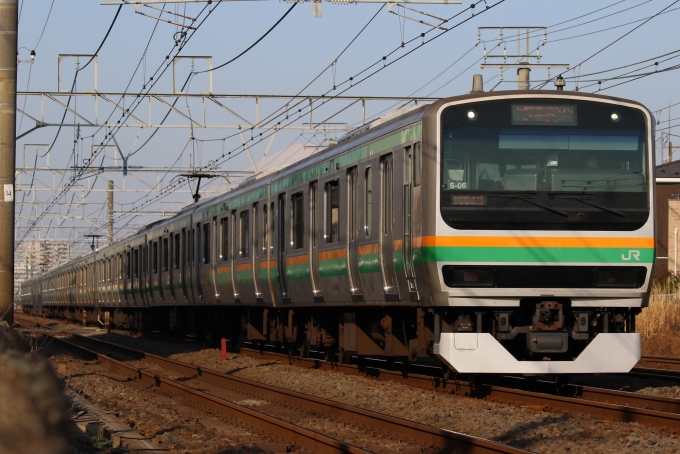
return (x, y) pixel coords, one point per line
(544, 225)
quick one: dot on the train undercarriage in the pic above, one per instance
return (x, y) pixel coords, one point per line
(537, 331)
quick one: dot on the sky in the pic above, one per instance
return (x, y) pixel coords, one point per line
(602, 35)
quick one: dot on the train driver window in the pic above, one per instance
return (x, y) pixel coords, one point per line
(224, 247)
(244, 246)
(368, 216)
(332, 212)
(298, 221)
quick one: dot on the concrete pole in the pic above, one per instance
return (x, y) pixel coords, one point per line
(109, 200)
(9, 21)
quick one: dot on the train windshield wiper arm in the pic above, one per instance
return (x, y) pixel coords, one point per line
(561, 213)
(609, 210)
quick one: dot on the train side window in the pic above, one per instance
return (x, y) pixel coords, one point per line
(272, 229)
(136, 263)
(368, 205)
(175, 251)
(256, 246)
(184, 248)
(206, 243)
(417, 164)
(154, 257)
(297, 221)
(165, 254)
(265, 230)
(129, 264)
(331, 232)
(244, 246)
(224, 229)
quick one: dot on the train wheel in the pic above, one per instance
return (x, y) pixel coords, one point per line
(329, 353)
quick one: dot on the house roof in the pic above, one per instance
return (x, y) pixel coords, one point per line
(667, 172)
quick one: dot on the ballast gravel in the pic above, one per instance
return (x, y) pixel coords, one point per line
(532, 429)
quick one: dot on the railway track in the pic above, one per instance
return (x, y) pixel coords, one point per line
(655, 411)
(424, 436)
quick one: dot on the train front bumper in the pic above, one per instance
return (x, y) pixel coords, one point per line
(481, 353)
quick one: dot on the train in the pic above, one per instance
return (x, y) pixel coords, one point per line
(500, 232)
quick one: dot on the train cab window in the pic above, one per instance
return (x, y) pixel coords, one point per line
(244, 244)
(154, 257)
(368, 205)
(224, 235)
(206, 243)
(332, 212)
(417, 164)
(165, 254)
(297, 221)
(175, 251)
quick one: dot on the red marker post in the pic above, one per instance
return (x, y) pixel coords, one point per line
(224, 349)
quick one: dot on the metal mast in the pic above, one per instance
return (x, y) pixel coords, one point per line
(9, 21)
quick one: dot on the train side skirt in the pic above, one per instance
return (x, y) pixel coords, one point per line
(481, 353)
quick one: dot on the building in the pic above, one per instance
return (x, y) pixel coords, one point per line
(32, 257)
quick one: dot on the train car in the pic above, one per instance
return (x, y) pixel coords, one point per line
(504, 232)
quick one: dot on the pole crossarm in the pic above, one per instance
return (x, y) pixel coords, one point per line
(90, 113)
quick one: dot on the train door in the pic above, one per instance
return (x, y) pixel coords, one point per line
(234, 252)
(186, 265)
(386, 228)
(282, 248)
(256, 253)
(313, 240)
(196, 271)
(411, 165)
(352, 234)
(207, 278)
(214, 251)
(225, 286)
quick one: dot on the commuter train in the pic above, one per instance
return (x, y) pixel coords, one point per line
(502, 232)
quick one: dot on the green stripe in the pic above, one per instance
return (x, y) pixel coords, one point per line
(244, 277)
(224, 278)
(405, 136)
(398, 260)
(369, 263)
(333, 267)
(297, 272)
(533, 255)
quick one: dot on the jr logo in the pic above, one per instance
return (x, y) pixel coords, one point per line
(631, 254)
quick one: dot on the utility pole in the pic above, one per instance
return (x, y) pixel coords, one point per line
(109, 200)
(9, 22)
(670, 151)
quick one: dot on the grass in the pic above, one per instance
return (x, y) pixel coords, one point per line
(659, 323)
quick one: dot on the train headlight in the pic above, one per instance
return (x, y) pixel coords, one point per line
(472, 115)
(616, 117)
(616, 277)
(455, 276)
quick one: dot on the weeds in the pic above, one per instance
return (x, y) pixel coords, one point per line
(659, 323)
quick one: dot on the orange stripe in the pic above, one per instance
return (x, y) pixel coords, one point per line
(522, 241)
(272, 264)
(330, 255)
(224, 269)
(244, 267)
(300, 259)
(397, 244)
(368, 249)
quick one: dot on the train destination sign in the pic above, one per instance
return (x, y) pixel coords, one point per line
(544, 114)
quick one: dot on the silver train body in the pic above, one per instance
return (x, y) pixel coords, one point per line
(508, 232)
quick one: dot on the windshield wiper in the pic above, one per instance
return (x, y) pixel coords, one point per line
(561, 213)
(609, 210)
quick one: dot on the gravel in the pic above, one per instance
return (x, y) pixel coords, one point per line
(528, 428)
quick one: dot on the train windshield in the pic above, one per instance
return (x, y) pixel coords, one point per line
(544, 165)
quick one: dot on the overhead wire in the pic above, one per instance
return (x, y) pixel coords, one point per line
(213, 164)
